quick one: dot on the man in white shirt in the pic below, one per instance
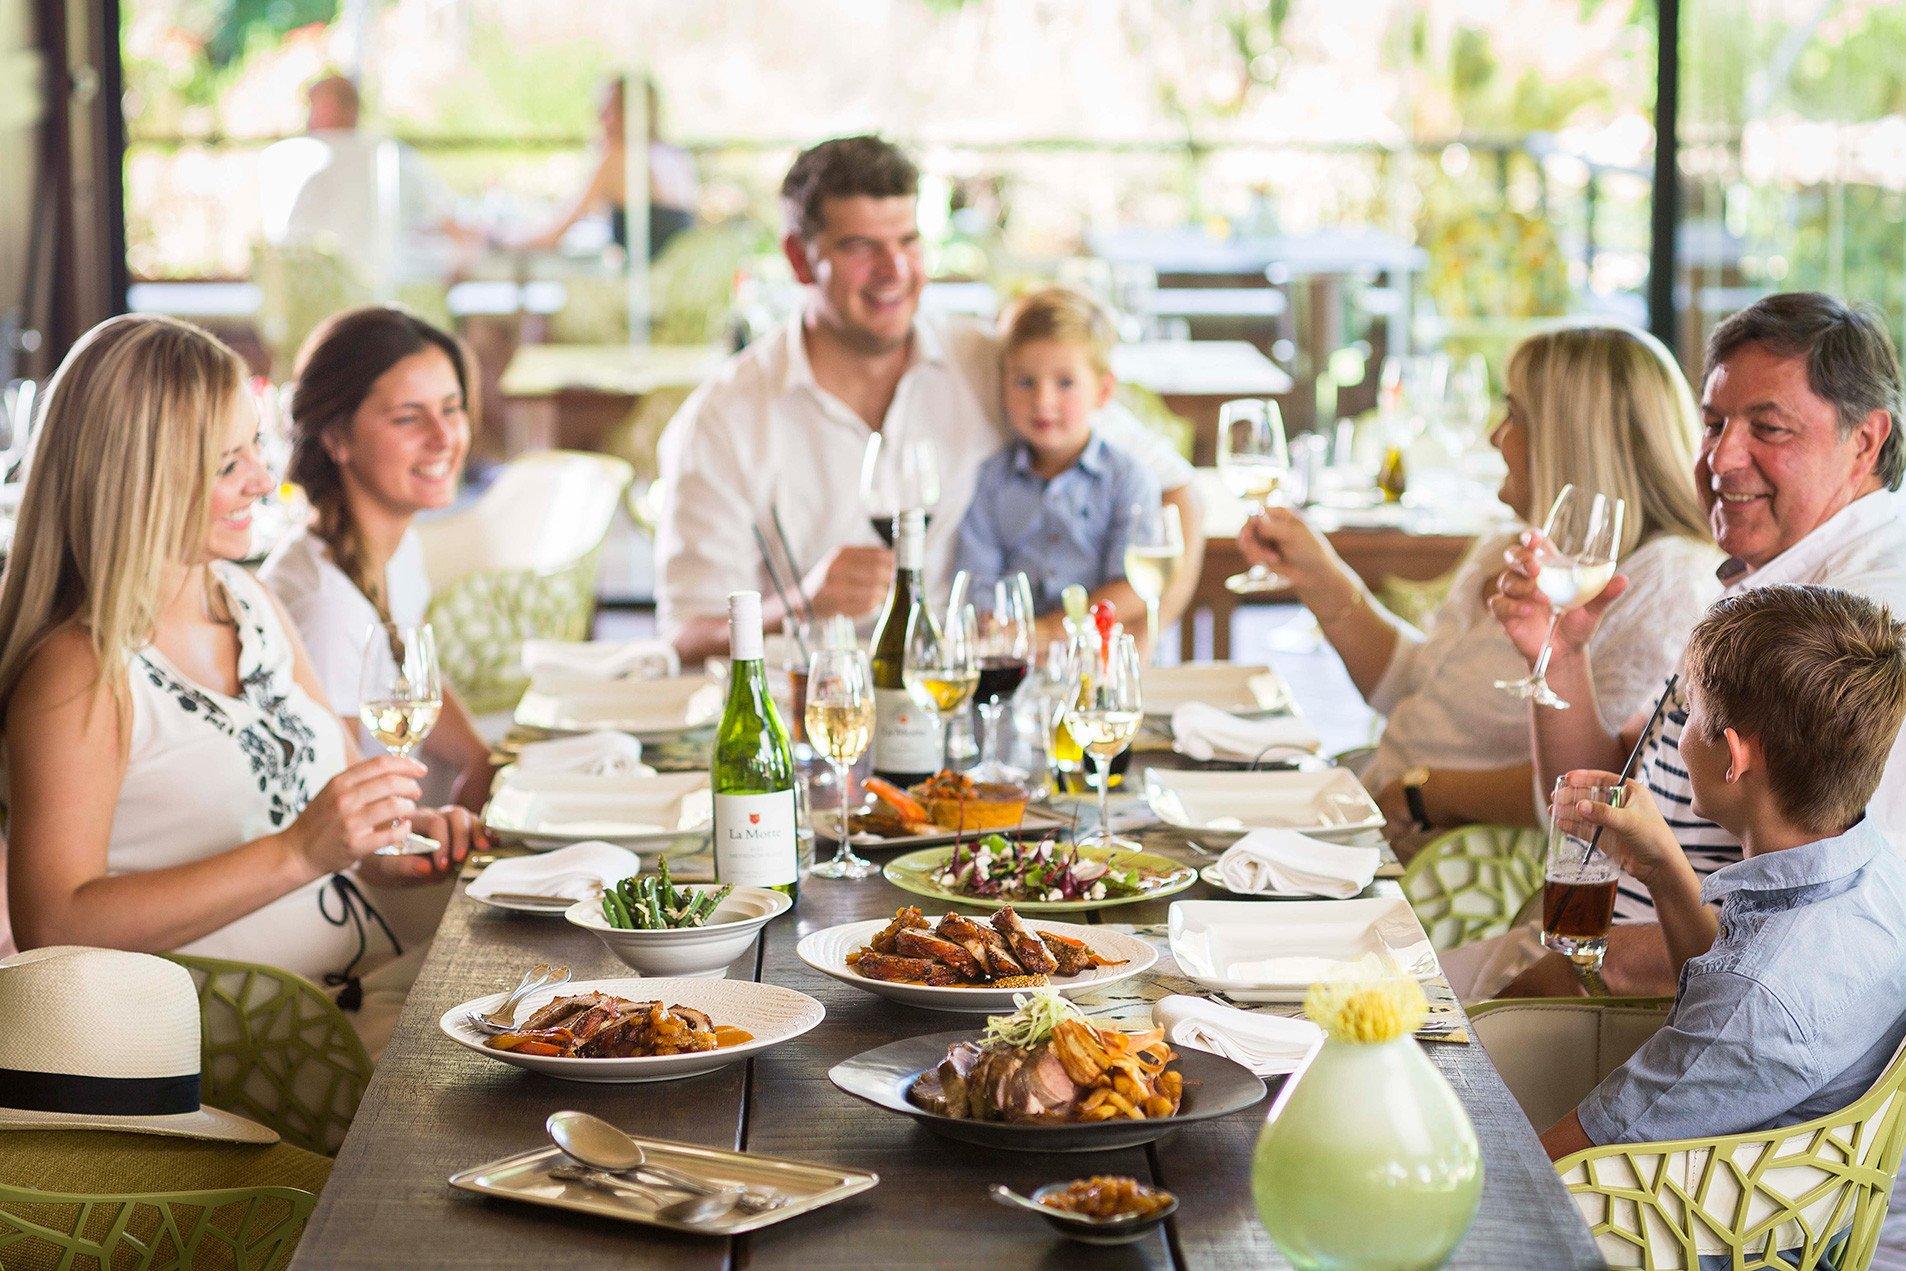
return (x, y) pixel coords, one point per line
(783, 426)
(1801, 462)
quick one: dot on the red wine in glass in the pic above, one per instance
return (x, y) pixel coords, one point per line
(999, 678)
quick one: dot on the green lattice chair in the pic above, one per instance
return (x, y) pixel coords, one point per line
(519, 563)
(240, 1227)
(299, 286)
(1818, 1190)
(276, 1049)
(1470, 882)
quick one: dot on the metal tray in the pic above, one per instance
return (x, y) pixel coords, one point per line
(809, 1186)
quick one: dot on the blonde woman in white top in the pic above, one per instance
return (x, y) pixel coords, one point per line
(1604, 408)
(174, 781)
(380, 429)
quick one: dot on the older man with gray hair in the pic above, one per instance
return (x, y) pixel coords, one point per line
(1800, 465)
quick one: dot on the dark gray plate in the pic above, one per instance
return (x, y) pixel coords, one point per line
(1214, 1087)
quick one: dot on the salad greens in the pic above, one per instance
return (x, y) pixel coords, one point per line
(998, 868)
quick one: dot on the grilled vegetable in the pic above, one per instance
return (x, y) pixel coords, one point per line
(655, 903)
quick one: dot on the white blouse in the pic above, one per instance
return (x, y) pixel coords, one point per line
(1438, 693)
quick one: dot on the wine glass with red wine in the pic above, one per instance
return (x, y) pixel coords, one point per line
(1005, 654)
(898, 475)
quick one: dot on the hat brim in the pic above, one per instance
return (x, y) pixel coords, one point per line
(206, 1123)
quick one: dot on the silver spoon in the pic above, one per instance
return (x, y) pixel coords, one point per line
(690, 1211)
(603, 1147)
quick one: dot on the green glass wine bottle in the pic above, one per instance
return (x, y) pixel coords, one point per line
(906, 741)
(752, 774)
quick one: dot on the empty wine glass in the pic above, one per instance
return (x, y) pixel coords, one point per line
(1105, 714)
(1055, 685)
(898, 476)
(1005, 655)
(1575, 553)
(1153, 554)
(400, 695)
(1253, 461)
(941, 665)
(840, 723)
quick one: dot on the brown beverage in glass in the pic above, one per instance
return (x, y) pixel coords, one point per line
(1578, 892)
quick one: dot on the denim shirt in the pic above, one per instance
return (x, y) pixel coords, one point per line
(1070, 529)
(1794, 1012)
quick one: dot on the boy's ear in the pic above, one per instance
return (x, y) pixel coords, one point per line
(1743, 754)
(1108, 384)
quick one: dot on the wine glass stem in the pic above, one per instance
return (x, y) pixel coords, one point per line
(1548, 647)
(1104, 766)
(989, 717)
(845, 848)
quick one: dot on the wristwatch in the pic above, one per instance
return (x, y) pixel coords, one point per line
(1413, 781)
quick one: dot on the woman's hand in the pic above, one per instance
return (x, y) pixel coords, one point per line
(1279, 538)
(1637, 835)
(1525, 612)
(352, 816)
(456, 830)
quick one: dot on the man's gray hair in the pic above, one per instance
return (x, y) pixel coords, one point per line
(1850, 360)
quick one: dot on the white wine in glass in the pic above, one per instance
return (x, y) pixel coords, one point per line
(1152, 557)
(1254, 461)
(1106, 711)
(840, 724)
(941, 670)
(400, 695)
(1576, 553)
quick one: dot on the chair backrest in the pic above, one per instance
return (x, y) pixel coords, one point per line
(1467, 884)
(1552, 1052)
(543, 513)
(248, 1227)
(299, 286)
(276, 1049)
(1750, 1196)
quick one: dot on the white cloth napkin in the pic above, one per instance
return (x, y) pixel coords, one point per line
(1267, 1044)
(597, 754)
(601, 659)
(1293, 864)
(1203, 732)
(572, 873)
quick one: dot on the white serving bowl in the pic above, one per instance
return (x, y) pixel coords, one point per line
(703, 952)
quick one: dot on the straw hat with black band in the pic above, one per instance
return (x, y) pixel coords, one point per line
(106, 1040)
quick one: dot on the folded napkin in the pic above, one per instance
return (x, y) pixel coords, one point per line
(1267, 1044)
(597, 754)
(1203, 732)
(601, 659)
(573, 873)
(1292, 864)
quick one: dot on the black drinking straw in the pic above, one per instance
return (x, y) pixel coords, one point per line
(774, 576)
(1628, 768)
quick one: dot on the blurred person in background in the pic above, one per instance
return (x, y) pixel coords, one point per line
(673, 189)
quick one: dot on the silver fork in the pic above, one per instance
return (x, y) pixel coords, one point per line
(503, 1017)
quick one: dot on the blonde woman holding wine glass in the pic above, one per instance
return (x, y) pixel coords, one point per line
(174, 779)
(1602, 408)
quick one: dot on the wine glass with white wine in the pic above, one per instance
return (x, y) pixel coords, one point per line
(1105, 714)
(400, 695)
(840, 723)
(941, 667)
(1153, 554)
(1579, 544)
(1254, 460)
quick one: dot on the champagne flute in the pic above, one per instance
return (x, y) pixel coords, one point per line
(1253, 461)
(400, 694)
(1005, 655)
(840, 723)
(1104, 716)
(895, 477)
(1575, 554)
(941, 667)
(1152, 555)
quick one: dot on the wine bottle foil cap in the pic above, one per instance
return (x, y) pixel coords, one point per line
(910, 539)
(744, 626)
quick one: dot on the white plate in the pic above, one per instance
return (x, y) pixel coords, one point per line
(1253, 953)
(826, 951)
(773, 1014)
(1326, 802)
(555, 810)
(647, 708)
(1240, 688)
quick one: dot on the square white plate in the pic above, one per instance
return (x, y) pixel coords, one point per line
(555, 810)
(1238, 687)
(1253, 952)
(647, 708)
(1326, 802)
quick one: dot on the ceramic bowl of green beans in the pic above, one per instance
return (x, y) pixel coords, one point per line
(660, 927)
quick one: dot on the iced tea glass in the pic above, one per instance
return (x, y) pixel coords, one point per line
(1578, 883)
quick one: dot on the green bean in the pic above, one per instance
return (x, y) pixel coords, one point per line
(618, 913)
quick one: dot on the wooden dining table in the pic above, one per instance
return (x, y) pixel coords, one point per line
(434, 1108)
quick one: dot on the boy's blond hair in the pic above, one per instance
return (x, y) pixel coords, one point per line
(1059, 313)
(1818, 676)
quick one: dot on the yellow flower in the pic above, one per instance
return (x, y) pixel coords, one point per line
(1368, 1011)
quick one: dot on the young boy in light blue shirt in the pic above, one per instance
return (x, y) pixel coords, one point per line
(1792, 962)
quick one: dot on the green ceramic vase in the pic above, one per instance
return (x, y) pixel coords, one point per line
(1368, 1162)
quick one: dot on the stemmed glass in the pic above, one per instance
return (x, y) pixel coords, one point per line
(896, 477)
(1152, 555)
(1055, 685)
(941, 666)
(1575, 554)
(1104, 716)
(840, 723)
(1005, 655)
(400, 694)
(1253, 460)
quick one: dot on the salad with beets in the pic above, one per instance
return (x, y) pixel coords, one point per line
(998, 868)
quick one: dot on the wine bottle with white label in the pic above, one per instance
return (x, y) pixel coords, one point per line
(906, 745)
(756, 844)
